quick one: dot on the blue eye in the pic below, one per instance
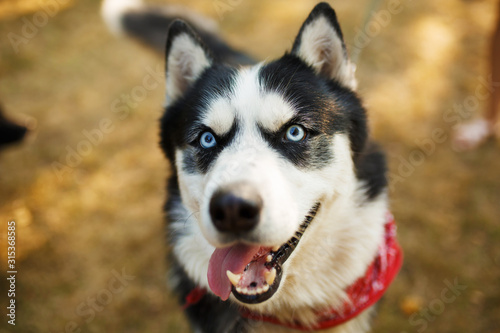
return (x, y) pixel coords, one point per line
(207, 140)
(295, 133)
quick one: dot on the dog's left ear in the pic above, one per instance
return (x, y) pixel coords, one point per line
(320, 45)
(186, 59)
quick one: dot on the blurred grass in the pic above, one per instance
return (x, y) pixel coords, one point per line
(105, 214)
(14, 8)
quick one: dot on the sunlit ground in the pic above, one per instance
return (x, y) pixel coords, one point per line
(80, 225)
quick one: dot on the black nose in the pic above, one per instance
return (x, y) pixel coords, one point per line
(236, 208)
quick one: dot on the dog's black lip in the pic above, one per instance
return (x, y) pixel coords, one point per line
(279, 258)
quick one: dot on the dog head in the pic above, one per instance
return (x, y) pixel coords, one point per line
(257, 150)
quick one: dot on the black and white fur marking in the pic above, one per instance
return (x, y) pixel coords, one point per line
(248, 110)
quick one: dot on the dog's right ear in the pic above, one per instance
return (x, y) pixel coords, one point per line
(320, 45)
(186, 59)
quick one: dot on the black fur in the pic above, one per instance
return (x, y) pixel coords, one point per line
(324, 108)
(150, 26)
(181, 125)
(189, 163)
(371, 167)
(203, 158)
(10, 132)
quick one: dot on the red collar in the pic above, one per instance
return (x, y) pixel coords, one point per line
(362, 294)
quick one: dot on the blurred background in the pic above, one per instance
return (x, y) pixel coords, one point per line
(86, 186)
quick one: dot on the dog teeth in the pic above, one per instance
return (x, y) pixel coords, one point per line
(270, 276)
(252, 291)
(275, 248)
(269, 258)
(234, 278)
(244, 290)
(259, 290)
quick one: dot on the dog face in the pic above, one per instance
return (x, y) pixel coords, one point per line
(258, 149)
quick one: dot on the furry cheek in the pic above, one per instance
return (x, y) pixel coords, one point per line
(189, 183)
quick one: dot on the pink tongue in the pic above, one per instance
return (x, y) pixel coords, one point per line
(233, 258)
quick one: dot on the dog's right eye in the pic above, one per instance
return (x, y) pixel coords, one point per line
(295, 133)
(207, 140)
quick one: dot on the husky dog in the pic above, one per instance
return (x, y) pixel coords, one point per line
(277, 208)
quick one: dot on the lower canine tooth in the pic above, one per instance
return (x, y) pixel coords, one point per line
(269, 258)
(270, 276)
(234, 278)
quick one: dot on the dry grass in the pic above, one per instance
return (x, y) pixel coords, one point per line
(104, 214)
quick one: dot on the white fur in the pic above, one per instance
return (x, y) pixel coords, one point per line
(186, 61)
(269, 110)
(321, 48)
(275, 112)
(191, 248)
(221, 116)
(113, 10)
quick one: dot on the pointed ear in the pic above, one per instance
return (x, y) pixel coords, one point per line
(320, 45)
(186, 59)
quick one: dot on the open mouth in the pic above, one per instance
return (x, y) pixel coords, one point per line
(252, 273)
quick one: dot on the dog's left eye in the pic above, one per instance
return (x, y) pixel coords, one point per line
(207, 140)
(295, 133)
